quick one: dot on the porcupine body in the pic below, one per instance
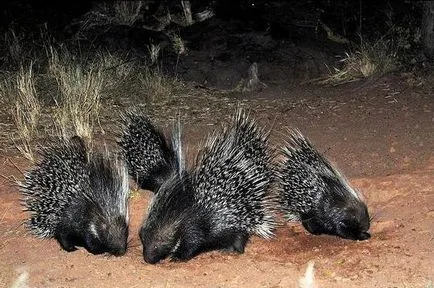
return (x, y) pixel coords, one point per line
(313, 191)
(217, 205)
(78, 198)
(150, 157)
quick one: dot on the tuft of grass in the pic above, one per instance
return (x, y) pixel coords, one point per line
(114, 68)
(14, 44)
(127, 12)
(154, 52)
(159, 87)
(178, 44)
(371, 58)
(26, 111)
(113, 13)
(179, 47)
(80, 86)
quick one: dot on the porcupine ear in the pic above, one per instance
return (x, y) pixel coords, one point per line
(177, 145)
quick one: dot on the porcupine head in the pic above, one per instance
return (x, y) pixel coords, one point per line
(170, 218)
(339, 211)
(173, 227)
(177, 228)
(99, 220)
(319, 193)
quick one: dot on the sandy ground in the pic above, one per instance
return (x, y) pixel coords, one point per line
(379, 133)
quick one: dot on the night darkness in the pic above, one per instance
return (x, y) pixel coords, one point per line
(245, 30)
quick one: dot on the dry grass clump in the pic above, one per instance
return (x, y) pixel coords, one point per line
(112, 13)
(77, 96)
(160, 87)
(26, 109)
(78, 102)
(115, 69)
(69, 89)
(371, 58)
(154, 53)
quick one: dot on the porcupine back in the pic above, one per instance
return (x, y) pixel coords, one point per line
(79, 198)
(253, 139)
(314, 191)
(150, 157)
(52, 183)
(233, 176)
(217, 205)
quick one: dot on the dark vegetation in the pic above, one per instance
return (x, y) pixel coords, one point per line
(291, 41)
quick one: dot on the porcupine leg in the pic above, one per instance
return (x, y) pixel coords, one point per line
(311, 224)
(240, 242)
(233, 242)
(65, 241)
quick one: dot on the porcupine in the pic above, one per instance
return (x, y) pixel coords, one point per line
(218, 204)
(313, 191)
(151, 159)
(78, 198)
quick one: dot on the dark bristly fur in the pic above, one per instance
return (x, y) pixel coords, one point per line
(150, 158)
(78, 198)
(218, 204)
(314, 192)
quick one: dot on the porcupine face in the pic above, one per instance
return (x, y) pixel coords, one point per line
(162, 229)
(157, 244)
(84, 225)
(104, 235)
(97, 218)
(338, 213)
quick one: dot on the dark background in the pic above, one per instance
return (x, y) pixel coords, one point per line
(275, 34)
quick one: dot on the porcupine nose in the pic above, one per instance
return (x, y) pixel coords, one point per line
(149, 259)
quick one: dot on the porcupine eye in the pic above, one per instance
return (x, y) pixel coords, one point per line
(154, 253)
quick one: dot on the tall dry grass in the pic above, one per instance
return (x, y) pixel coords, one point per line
(26, 109)
(72, 88)
(115, 69)
(369, 59)
(80, 86)
(158, 86)
(112, 13)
